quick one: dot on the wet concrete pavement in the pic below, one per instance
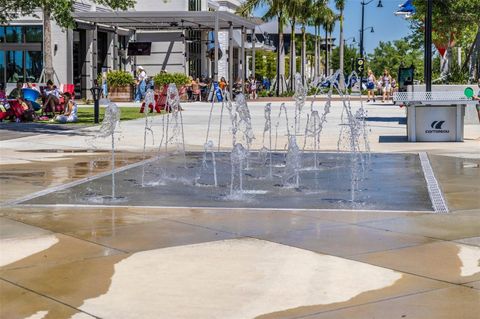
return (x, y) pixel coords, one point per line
(66, 261)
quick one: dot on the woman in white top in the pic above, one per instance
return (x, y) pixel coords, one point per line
(386, 85)
(141, 84)
(70, 114)
(253, 87)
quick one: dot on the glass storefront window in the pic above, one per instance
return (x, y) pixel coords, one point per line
(33, 65)
(14, 34)
(14, 66)
(33, 34)
(2, 34)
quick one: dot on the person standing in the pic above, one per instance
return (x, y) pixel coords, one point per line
(371, 80)
(386, 85)
(253, 88)
(222, 84)
(141, 83)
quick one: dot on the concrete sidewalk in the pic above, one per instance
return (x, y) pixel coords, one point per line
(387, 132)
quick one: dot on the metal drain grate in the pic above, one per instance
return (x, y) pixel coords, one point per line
(436, 196)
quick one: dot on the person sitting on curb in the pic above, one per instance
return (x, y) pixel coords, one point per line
(70, 114)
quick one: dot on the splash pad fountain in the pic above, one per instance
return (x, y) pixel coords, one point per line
(296, 175)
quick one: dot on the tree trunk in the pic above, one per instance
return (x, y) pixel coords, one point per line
(304, 54)
(47, 45)
(292, 56)
(315, 70)
(280, 57)
(341, 42)
(326, 52)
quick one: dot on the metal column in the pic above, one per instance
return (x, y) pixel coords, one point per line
(115, 50)
(94, 54)
(231, 80)
(242, 61)
(254, 39)
(428, 47)
(215, 64)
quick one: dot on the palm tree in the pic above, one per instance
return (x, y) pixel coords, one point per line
(340, 5)
(306, 10)
(317, 19)
(292, 9)
(276, 9)
(328, 25)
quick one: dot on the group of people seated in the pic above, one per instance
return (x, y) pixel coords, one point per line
(25, 100)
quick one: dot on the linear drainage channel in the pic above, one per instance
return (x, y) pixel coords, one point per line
(386, 182)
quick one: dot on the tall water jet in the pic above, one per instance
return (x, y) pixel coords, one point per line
(300, 97)
(209, 148)
(313, 130)
(268, 128)
(293, 162)
(175, 118)
(355, 124)
(283, 110)
(244, 123)
(110, 121)
(149, 100)
(237, 158)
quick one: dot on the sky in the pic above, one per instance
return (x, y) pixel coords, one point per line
(387, 26)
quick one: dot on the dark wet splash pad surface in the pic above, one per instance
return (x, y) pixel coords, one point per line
(387, 182)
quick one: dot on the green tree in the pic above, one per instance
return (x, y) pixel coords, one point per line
(265, 64)
(306, 11)
(340, 5)
(456, 20)
(350, 54)
(276, 9)
(59, 11)
(328, 25)
(391, 55)
(317, 19)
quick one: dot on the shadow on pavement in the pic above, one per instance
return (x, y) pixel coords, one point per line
(13, 130)
(392, 139)
(400, 120)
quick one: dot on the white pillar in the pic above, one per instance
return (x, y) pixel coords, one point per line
(231, 80)
(215, 66)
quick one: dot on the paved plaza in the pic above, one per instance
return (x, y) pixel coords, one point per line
(148, 261)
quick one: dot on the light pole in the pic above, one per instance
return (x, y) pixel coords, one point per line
(428, 47)
(96, 91)
(362, 29)
(362, 32)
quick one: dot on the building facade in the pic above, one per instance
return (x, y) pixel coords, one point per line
(80, 54)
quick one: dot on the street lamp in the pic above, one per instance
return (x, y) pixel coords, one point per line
(362, 29)
(351, 38)
(96, 92)
(363, 3)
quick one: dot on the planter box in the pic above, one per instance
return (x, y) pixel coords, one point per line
(120, 94)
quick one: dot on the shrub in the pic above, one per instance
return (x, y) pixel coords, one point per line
(164, 78)
(287, 94)
(117, 78)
